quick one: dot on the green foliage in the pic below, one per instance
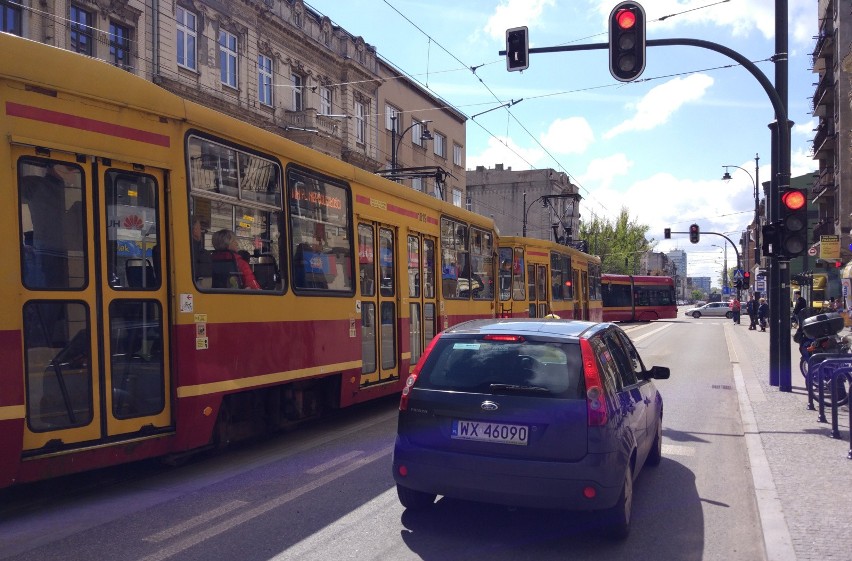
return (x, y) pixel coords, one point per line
(619, 244)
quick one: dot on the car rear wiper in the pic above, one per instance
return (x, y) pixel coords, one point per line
(515, 388)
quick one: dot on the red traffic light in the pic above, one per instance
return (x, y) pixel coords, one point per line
(794, 200)
(746, 274)
(625, 19)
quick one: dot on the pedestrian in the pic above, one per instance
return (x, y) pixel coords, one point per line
(799, 306)
(751, 310)
(833, 305)
(736, 308)
(762, 313)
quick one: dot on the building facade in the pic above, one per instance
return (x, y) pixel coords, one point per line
(277, 64)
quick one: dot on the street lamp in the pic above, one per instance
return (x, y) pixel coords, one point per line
(755, 181)
(425, 134)
(545, 202)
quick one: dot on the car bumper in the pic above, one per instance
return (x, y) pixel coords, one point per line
(521, 483)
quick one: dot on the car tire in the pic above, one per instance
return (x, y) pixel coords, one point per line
(655, 456)
(729, 315)
(618, 517)
(414, 500)
(696, 315)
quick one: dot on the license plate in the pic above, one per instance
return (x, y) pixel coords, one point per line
(490, 432)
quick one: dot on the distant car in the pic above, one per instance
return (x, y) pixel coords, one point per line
(713, 309)
(531, 413)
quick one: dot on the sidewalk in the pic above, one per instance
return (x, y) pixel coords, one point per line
(803, 479)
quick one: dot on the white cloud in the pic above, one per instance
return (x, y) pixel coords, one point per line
(508, 154)
(601, 172)
(659, 103)
(806, 129)
(515, 13)
(568, 136)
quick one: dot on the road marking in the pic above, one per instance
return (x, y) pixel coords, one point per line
(644, 335)
(193, 522)
(213, 531)
(675, 450)
(335, 462)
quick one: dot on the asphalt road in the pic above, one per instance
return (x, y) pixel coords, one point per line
(325, 492)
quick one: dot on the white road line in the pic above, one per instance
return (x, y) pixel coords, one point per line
(675, 450)
(644, 335)
(335, 462)
(193, 522)
(261, 509)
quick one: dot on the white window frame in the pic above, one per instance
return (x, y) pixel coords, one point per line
(439, 143)
(417, 183)
(298, 84)
(325, 100)
(417, 132)
(457, 154)
(457, 197)
(360, 122)
(229, 47)
(264, 80)
(187, 38)
(391, 111)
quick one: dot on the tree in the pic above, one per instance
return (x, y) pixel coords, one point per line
(619, 244)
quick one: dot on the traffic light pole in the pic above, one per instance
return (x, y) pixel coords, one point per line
(779, 279)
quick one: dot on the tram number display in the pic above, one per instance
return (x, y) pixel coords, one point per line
(490, 432)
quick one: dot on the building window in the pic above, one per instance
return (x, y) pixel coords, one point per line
(186, 38)
(296, 80)
(325, 100)
(457, 197)
(417, 183)
(119, 45)
(228, 58)
(326, 37)
(264, 79)
(360, 122)
(417, 133)
(10, 17)
(297, 19)
(390, 112)
(81, 31)
(457, 155)
(440, 141)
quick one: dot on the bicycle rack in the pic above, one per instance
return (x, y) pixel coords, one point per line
(831, 368)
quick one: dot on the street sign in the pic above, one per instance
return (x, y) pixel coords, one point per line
(726, 290)
(760, 286)
(812, 251)
(738, 274)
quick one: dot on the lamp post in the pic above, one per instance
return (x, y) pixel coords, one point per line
(755, 181)
(725, 265)
(545, 201)
(425, 134)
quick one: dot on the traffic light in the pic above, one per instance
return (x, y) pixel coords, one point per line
(769, 243)
(738, 284)
(694, 233)
(626, 41)
(517, 49)
(794, 217)
(667, 233)
(746, 279)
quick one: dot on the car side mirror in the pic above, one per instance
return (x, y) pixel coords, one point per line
(659, 372)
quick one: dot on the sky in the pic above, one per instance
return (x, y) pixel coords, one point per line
(655, 146)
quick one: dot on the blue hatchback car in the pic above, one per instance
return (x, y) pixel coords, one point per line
(531, 413)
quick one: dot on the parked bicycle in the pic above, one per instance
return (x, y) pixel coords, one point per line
(819, 335)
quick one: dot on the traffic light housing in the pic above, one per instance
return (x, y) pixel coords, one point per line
(794, 217)
(667, 233)
(517, 49)
(738, 284)
(694, 233)
(746, 279)
(769, 242)
(627, 41)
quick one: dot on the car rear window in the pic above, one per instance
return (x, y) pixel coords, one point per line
(476, 365)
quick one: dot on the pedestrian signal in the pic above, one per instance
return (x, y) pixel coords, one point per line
(517, 49)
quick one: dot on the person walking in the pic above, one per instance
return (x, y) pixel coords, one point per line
(736, 308)
(799, 306)
(762, 313)
(751, 310)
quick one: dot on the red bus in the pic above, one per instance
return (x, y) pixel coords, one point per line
(638, 298)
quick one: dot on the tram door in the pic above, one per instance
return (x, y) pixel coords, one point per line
(94, 300)
(537, 281)
(422, 304)
(379, 314)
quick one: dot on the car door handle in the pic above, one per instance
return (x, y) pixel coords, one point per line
(647, 401)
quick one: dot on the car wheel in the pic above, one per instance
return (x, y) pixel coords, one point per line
(696, 315)
(414, 500)
(729, 315)
(655, 456)
(618, 517)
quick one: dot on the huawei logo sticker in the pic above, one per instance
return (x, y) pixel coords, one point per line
(133, 222)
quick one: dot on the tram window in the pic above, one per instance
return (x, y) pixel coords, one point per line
(136, 358)
(560, 275)
(320, 234)
(518, 292)
(415, 337)
(428, 322)
(504, 276)
(482, 265)
(57, 351)
(238, 191)
(386, 263)
(455, 270)
(133, 258)
(53, 230)
(413, 267)
(388, 335)
(595, 289)
(428, 268)
(531, 284)
(368, 337)
(366, 260)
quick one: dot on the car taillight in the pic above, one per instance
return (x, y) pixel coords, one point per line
(595, 399)
(412, 378)
(505, 338)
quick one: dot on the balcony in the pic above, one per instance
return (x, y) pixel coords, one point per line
(824, 141)
(823, 100)
(824, 47)
(824, 227)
